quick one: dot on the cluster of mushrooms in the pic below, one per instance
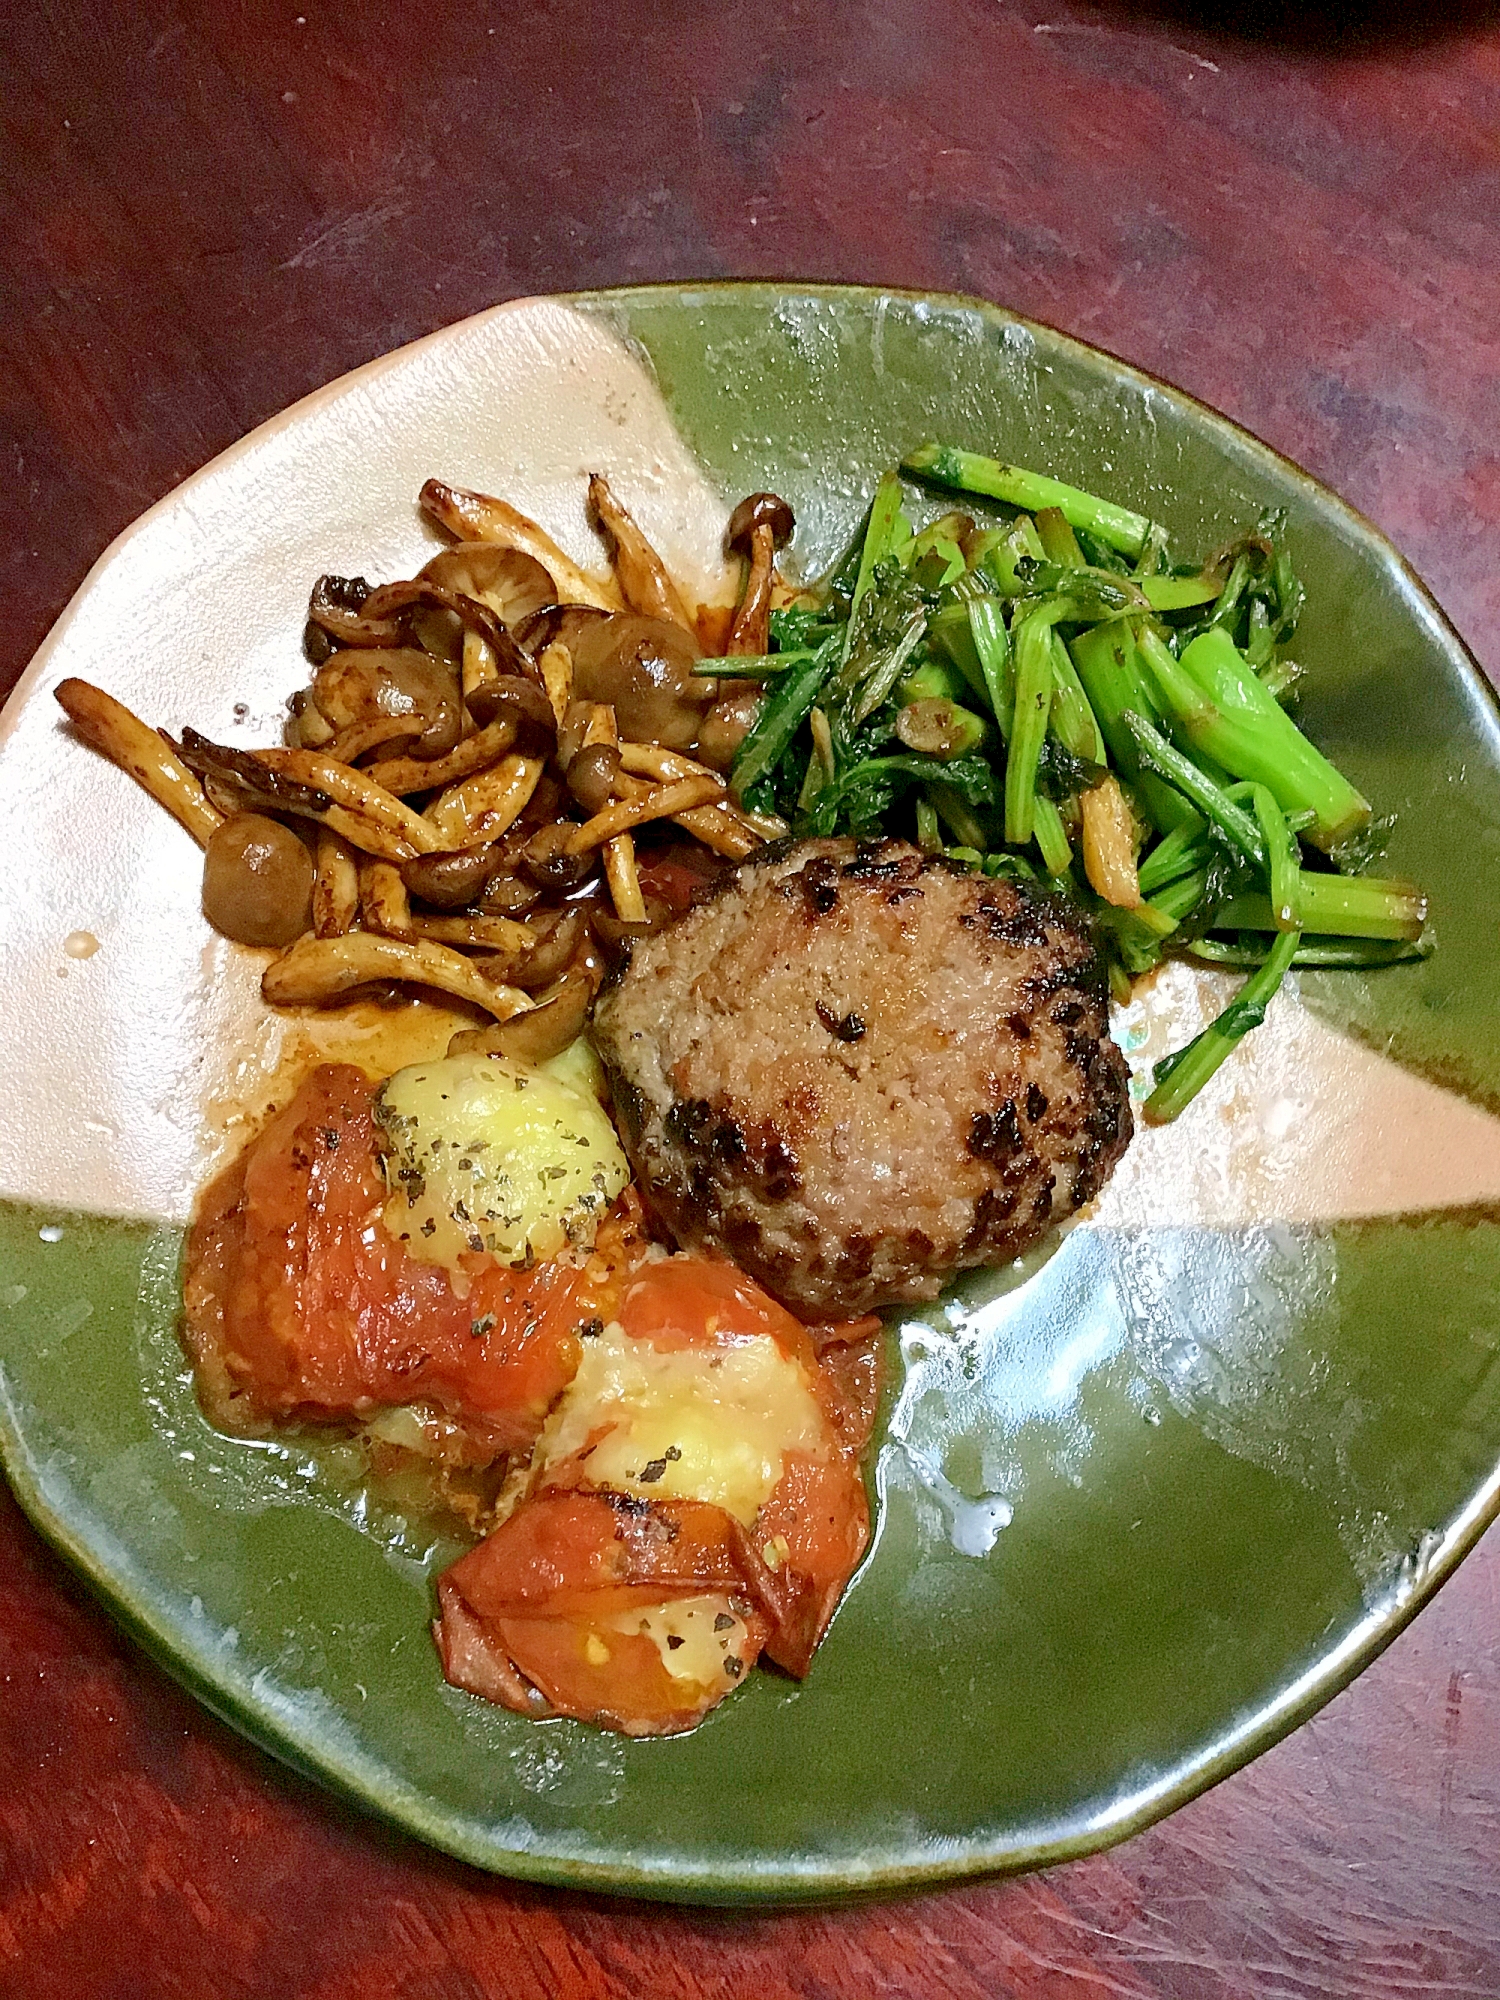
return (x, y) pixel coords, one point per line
(456, 803)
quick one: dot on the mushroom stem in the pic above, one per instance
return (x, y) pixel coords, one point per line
(556, 663)
(320, 972)
(722, 826)
(644, 581)
(366, 805)
(479, 809)
(757, 529)
(476, 753)
(148, 758)
(751, 631)
(383, 901)
(335, 885)
(473, 933)
(543, 1031)
(480, 664)
(661, 802)
(624, 882)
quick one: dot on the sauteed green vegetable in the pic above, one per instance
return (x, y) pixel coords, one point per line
(1040, 687)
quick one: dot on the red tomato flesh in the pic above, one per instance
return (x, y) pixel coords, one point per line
(521, 1614)
(540, 1596)
(307, 1306)
(320, 1312)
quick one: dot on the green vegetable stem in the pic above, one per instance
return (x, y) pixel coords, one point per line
(1227, 713)
(971, 472)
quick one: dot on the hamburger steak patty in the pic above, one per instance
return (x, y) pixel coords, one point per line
(858, 1069)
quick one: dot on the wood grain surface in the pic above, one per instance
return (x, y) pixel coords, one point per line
(207, 210)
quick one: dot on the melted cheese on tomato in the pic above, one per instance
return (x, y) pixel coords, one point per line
(692, 1423)
(701, 1641)
(487, 1155)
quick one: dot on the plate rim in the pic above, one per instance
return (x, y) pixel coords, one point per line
(369, 1783)
(591, 298)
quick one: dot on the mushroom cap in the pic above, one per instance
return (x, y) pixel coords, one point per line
(257, 881)
(357, 684)
(760, 510)
(644, 668)
(451, 881)
(513, 584)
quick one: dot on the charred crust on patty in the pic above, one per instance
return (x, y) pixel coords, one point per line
(687, 1120)
(819, 883)
(716, 1149)
(890, 862)
(727, 879)
(985, 1101)
(848, 1027)
(615, 972)
(877, 861)
(996, 1135)
(629, 1105)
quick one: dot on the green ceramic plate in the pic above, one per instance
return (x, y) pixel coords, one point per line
(1141, 1507)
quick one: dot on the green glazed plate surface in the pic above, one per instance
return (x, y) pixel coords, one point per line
(1141, 1506)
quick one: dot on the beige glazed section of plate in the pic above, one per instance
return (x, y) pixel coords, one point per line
(120, 1068)
(1300, 1125)
(128, 1072)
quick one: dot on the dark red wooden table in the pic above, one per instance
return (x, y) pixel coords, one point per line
(208, 209)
